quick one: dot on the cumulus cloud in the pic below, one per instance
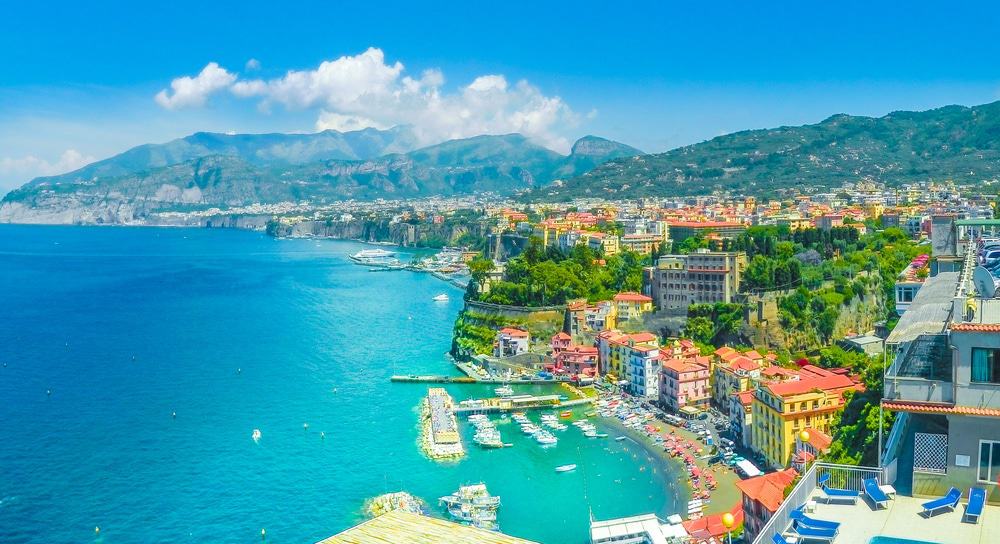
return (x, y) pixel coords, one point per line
(190, 91)
(17, 170)
(364, 90)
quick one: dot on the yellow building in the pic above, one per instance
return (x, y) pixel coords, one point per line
(631, 306)
(614, 348)
(601, 241)
(782, 410)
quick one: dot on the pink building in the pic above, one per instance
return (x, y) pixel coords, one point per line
(580, 361)
(684, 382)
(560, 342)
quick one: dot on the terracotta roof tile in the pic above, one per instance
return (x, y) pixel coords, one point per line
(938, 408)
(976, 327)
(769, 489)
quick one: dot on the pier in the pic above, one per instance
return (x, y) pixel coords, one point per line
(413, 378)
(517, 403)
(441, 439)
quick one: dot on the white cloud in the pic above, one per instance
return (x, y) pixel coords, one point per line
(251, 65)
(17, 170)
(359, 91)
(194, 91)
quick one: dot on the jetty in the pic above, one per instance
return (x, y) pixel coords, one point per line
(440, 428)
(517, 403)
(413, 378)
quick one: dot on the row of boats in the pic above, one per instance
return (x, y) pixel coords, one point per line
(487, 435)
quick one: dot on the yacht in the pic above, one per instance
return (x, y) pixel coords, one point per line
(256, 435)
(441, 298)
(504, 391)
(565, 468)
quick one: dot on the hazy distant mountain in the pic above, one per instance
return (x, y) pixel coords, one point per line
(952, 142)
(205, 170)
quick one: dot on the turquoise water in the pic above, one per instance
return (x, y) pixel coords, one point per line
(235, 331)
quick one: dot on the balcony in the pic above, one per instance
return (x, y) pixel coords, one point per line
(860, 522)
(922, 371)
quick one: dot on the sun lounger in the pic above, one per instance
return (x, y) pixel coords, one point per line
(802, 519)
(948, 501)
(877, 496)
(778, 539)
(974, 508)
(833, 494)
(812, 533)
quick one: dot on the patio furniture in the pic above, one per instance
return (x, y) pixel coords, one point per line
(948, 501)
(778, 539)
(977, 500)
(875, 493)
(834, 494)
(888, 490)
(799, 517)
(812, 533)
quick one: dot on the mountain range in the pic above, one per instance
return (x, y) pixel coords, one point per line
(222, 170)
(951, 143)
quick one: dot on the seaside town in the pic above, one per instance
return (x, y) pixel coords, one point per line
(784, 355)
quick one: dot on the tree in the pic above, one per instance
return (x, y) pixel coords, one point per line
(699, 329)
(479, 269)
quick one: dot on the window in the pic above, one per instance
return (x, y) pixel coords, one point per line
(985, 365)
(989, 461)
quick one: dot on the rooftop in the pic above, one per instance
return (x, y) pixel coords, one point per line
(401, 527)
(768, 489)
(903, 519)
(930, 310)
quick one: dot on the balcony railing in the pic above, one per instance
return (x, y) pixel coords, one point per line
(922, 371)
(841, 476)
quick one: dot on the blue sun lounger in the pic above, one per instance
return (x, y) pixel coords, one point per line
(948, 501)
(877, 496)
(811, 533)
(802, 519)
(834, 494)
(778, 539)
(974, 508)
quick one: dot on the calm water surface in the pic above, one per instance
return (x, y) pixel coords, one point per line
(235, 331)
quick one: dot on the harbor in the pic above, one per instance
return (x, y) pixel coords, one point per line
(440, 427)
(448, 265)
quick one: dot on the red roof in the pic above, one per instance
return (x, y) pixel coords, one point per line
(769, 489)
(753, 354)
(561, 336)
(746, 397)
(724, 350)
(703, 224)
(976, 327)
(743, 363)
(711, 526)
(818, 439)
(828, 383)
(629, 296)
(642, 337)
(518, 333)
(938, 408)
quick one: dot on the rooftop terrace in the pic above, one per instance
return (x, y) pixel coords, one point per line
(903, 519)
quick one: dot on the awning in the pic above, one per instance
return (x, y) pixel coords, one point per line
(748, 468)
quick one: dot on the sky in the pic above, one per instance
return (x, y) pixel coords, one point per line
(82, 81)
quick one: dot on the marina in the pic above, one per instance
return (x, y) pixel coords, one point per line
(440, 429)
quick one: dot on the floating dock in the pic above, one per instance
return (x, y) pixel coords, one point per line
(440, 427)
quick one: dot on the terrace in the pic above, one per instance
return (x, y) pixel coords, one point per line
(860, 522)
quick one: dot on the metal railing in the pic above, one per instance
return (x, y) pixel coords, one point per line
(841, 476)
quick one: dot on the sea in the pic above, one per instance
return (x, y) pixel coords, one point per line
(136, 363)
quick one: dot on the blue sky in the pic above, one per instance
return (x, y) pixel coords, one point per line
(80, 81)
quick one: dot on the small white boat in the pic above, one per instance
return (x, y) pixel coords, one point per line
(619, 438)
(256, 435)
(441, 298)
(565, 468)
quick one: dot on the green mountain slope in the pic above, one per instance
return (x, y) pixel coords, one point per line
(952, 142)
(212, 170)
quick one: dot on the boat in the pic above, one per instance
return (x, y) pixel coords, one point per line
(565, 468)
(474, 505)
(567, 413)
(441, 298)
(619, 438)
(504, 391)
(255, 435)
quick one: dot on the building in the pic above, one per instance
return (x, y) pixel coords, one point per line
(602, 242)
(944, 385)
(510, 342)
(684, 382)
(807, 451)
(909, 282)
(641, 529)
(560, 342)
(782, 410)
(614, 350)
(741, 418)
(829, 221)
(641, 243)
(579, 361)
(762, 496)
(631, 306)
(678, 231)
(643, 371)
(702, 277)
(737, 374)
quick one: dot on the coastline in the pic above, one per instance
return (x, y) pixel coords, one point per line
(723, 498)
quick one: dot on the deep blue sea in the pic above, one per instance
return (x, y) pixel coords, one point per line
(235, 331)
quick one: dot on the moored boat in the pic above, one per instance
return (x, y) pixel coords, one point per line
(565, 468)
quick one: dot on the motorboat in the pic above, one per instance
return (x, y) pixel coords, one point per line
(504, 391)
(565, 468)
(441, 298)
(255, 435)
